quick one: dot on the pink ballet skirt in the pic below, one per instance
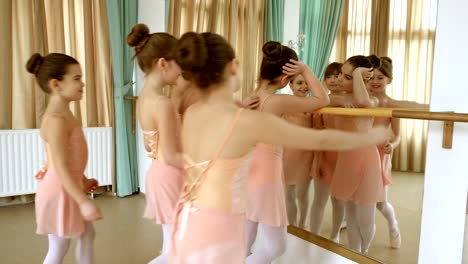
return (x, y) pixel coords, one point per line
(357, 177)
(358, 174)
(267, 203)
(297, 163)
(164, 184)
(386, 163)
(326, 167)
(56, 212)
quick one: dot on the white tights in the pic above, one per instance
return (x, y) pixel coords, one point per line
(164, 257)
(321, 194)
(388, 212)
(58, 247)
(297, 198)
(361, 226)
(273, 246)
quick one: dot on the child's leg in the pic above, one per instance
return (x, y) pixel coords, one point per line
(291, 206)
(338, 217)
(389, 213)
(366, 221)
(251, 229)
(321, 194)
(58, 248)
(85, 245)
(302, 191)
(273, 246)
(354, 236)
(163, 258)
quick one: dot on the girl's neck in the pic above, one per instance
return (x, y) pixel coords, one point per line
(154, 83)
(58, 104)
(267, 88)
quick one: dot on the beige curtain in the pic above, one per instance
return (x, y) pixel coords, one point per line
(404, 30)
(239, 21)
(411, 46)
(74, 27)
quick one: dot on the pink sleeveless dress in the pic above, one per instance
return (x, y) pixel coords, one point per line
(164, 183)
(267, 203)
(210, 216)
(328, 158)
(385, 159)
(357, 176)
(56, 211)
(297, 163)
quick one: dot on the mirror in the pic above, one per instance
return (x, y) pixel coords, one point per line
(411, 61)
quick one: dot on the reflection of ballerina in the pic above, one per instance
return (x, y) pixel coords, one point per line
(357, 177)
(210, 217)
(161, 128)
(324, 165)
(377, 86)
(297, 163)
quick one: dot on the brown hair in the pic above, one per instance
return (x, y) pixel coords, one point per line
(52, 66)
(386, 66)
(275, 56)
(333, 68)
(203, 57)
(371, 61)
(150, 47)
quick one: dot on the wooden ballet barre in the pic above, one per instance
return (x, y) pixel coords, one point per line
(448, 117)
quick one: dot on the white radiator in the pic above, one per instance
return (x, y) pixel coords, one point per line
(22, 154)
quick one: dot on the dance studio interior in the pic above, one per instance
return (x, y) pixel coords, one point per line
(138, 58)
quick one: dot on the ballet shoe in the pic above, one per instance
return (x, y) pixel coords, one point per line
(395, 238)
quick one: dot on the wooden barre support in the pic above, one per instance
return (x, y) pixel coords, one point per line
(133, 99)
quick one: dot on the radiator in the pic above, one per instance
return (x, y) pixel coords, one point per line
(22, 154)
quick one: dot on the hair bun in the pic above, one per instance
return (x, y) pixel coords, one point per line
(374, 60)
(192, 52)
(138, 37)
(273, 50)
(387, 59)
(34, 63)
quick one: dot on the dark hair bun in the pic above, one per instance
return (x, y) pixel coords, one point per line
(192, 52)
(374, 60)
(34, 63)
(273, 50)
(139, 34)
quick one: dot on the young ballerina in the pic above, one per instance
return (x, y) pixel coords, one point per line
(217, 135)
(63, 210)
(297, 162)
(324, 165)
(357, 177)
(377, 87)
(267, 205)
(161, 127)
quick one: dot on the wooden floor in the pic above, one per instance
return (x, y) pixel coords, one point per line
(124, 237)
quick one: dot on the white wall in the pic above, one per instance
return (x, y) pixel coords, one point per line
(150, 12)
(291, 27)
(446, 179)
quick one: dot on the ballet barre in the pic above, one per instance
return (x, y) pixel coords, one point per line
(448, 117)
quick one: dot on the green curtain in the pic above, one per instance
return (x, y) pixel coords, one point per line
(274, 20)
(122, 16)
(319, 21)
(167, 5)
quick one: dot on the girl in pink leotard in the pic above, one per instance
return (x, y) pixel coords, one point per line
(297, 163)
(217, 136)
(160, 123)
(357, 180)
(324, 166)
(63, 210)
(377, 87)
